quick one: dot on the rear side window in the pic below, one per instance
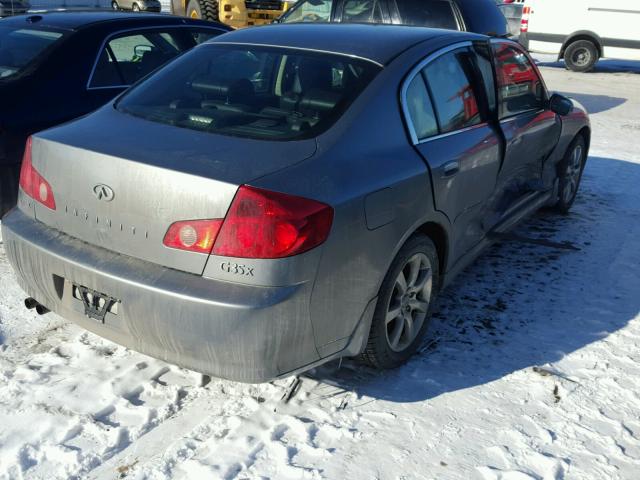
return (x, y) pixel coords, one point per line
(520, 88)
(362, 11)
(449, 78)
(310, 11)
(19, 47)
(251, 91)
(428, 13)
(420, 109)
(127, 58)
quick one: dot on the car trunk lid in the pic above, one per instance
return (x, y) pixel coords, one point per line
(119, 182)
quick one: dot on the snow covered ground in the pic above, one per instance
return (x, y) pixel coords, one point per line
(531, 369)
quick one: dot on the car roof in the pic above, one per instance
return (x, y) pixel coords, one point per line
(74, 20)
(380, 43)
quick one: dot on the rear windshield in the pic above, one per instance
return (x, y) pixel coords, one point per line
(20, 46)
(250, 91)
(428, 13)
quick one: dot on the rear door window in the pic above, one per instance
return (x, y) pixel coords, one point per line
(450, 79)
(520, 89)
(129, 57)
(428, 13)
(420, 109)
(19, 47)
(362, 11)
(310, 11)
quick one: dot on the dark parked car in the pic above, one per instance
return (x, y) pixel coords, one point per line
(9, 8)
(479, 16)
(289, 194)
(58, 66)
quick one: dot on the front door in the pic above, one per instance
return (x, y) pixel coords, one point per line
(530, 130)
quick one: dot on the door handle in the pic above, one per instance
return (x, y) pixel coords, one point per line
(451, 169)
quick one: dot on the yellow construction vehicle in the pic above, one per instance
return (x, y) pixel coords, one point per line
(235, 13)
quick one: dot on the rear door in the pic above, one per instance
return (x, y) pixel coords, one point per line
(449, 104)
(531, 131)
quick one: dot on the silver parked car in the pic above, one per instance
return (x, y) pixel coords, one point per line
(137, 5)
(286, 195)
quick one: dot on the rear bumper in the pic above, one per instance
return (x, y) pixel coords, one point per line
(240, 332)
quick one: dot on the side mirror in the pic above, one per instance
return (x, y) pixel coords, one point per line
(560, 104)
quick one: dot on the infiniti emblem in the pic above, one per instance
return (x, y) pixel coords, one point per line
(103, 192)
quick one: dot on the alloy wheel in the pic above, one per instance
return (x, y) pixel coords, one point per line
(409, 302)
(572, 174)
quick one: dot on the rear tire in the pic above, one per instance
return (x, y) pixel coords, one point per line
(204, 9)
(115, 5)
(581, 56)
(404, 305)
(136, 7)
(570, 174)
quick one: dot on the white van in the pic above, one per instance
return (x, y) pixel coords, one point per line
(582, 31)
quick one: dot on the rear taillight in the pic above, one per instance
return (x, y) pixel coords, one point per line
(259, 224)
(265, 224)
(194, 236)
(34, 184)
(524, 23)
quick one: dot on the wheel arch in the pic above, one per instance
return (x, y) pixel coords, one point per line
(440, 238)
(586, 133)
(582, 35)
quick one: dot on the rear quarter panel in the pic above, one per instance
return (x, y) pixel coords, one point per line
(380, 188)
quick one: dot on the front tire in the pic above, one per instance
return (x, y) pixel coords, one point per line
(204, 9)
(115, 6)
(136, 7)
(570, 174)
(581, 56)
(404, 305)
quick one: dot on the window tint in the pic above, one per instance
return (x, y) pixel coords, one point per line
(310, 11)
(256, 92)
(485, 67)
(420, 109)
(428, 13)
(453, 95)
(19, 47)
(363, 11)
(128, 58)
(201, 36)
(519, 87)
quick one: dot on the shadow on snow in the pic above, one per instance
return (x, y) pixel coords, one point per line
(606, 65)
(596, 103)
(522, 305)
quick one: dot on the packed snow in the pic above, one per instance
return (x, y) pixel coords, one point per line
(531, 369)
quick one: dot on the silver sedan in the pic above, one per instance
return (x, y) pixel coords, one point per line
(287, 195)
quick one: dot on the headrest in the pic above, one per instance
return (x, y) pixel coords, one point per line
(240, 91)
(319, 100)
